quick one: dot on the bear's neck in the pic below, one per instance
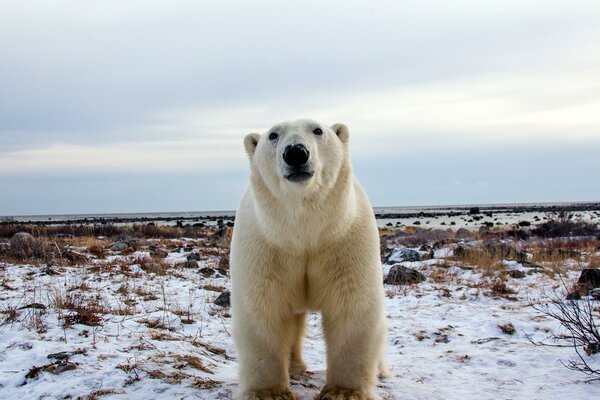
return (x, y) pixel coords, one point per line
(308, 220)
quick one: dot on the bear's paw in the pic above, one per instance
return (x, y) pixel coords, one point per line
(270, 395)
(338, 393)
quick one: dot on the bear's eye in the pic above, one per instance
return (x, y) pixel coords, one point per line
(318, 131)
(273, 136)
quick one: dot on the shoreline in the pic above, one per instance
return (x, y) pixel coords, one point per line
(381, 213)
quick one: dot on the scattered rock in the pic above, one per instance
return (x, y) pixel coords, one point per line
(22, 243)
(504, 250)
(400, 275)
(159, 252)
(49, 270)
(594, 294)
(474, 210)
(401, 255)
(224, 299)
(193, 256)
(590, 278)
(188, 264)
(63, 236)
(206, 272)
(119, 246)
(515, 273)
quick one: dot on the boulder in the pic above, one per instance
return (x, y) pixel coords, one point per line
(193, 256)
(22, 243)
(224, 299)
(119, 246)
(589, 278)
(400, 275)
(504, 250)
(400, 255)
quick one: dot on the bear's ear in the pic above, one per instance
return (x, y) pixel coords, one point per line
(341, 131)
(250, 143)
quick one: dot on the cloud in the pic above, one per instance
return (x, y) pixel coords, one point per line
(151, 157)
(151, 87)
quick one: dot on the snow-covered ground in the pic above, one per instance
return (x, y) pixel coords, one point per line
(497, 219)
(162, 336)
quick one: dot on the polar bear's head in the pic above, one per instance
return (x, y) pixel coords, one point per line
(302, 155)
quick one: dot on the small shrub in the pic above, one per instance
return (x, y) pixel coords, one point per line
(564, 225)
(580, 320)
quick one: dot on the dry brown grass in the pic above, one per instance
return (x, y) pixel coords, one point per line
(153, 265)
(157, 323)
(507, 328)
(560, 250)
(489, 263)
(81, 309)
(193, 362)
(213, 288)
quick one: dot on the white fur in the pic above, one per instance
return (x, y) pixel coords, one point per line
(306, 245)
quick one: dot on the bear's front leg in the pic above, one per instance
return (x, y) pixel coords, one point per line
(354, 345)
(263, 344)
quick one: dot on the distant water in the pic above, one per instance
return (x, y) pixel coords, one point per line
(230, 214)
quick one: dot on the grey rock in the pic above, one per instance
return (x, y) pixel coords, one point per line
(119, 246)
(22, 243)
(594, 294)
(224, 299)
(590, 278)
(400, 275)
(400, 255)
(193, 256)
(463, 233)
(206, 272)
(516, 274)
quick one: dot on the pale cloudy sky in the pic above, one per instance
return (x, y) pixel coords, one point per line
(140, 106)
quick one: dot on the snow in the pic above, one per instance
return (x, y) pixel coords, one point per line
(444, 337)
(473, 222)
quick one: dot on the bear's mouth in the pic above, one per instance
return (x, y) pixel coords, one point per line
(299, 176)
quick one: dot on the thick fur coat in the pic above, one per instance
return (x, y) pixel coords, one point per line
(305, 238)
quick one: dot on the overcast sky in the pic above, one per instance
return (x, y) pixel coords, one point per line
(142, 106)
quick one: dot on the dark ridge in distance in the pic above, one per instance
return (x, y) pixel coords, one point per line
(411, 212)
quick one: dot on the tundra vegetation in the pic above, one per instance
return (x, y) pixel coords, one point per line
(113, 309)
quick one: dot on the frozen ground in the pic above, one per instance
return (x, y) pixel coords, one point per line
(159, 335)
(496, 219)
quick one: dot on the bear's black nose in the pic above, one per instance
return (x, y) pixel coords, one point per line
(295, 155)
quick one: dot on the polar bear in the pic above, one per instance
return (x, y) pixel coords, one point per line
(305, 238)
